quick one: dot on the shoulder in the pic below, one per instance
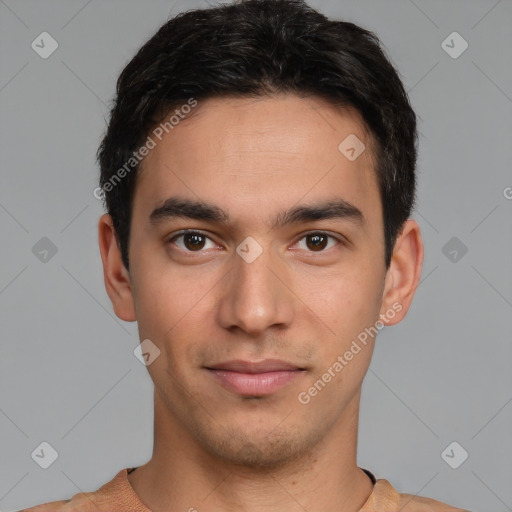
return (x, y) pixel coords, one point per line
(116, 492)
(412, 503)
(386, 499)
(78, 503)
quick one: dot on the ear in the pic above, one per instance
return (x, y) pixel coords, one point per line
(403, 275)
(116, 277)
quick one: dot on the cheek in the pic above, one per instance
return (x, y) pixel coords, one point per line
(350, 312)
(164, 292)
(174, 312)
(345, 303)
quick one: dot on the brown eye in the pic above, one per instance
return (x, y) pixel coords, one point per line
(318, 242)
(194, 241)
(191, 241)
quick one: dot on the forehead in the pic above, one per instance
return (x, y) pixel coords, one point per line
(242, 153)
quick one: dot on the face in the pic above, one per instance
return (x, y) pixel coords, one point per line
(284, 265)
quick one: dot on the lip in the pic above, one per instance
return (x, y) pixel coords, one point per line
(250, 378)
(267, 365)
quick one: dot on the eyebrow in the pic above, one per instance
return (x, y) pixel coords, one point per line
(180, 207)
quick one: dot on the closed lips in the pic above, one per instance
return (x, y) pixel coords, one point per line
(268, 365)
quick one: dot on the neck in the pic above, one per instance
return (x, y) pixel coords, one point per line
(182, 475)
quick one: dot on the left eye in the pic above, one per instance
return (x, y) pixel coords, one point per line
(317, 242)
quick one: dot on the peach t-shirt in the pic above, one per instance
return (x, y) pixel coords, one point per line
(119, 496)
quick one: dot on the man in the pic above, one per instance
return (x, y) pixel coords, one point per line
(259, 176)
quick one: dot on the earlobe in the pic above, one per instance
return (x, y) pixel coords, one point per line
(116, 277)
(403, 275)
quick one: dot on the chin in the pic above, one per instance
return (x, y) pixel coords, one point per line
(258, 450)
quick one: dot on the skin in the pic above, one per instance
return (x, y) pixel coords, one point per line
(214, 449)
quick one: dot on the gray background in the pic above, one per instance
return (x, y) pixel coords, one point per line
(68, 373)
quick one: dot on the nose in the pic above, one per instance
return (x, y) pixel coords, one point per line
(257, 295)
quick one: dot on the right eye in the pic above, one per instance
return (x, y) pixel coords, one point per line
(191, 241)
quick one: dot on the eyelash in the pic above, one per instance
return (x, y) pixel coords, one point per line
(194, 232)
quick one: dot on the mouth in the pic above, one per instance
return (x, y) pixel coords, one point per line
(255, 379)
